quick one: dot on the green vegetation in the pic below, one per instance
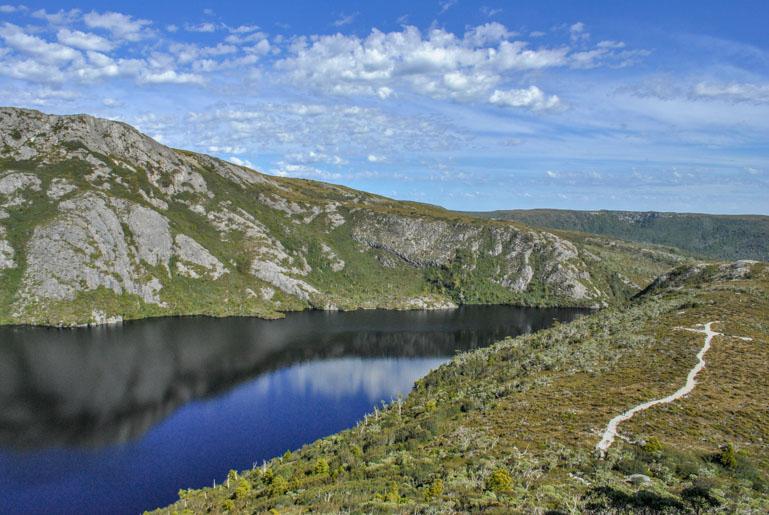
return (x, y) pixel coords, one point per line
(513, 427)
(348, 249)
(714, 236)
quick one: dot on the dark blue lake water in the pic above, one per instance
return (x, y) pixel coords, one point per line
(118, 419)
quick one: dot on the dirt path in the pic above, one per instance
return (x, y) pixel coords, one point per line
(611, 430)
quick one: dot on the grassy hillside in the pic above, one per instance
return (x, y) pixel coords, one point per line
(514, 427)
(715, 236)
(99, 222)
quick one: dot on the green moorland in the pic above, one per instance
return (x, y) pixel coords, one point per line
(715, 236)
(513, 428)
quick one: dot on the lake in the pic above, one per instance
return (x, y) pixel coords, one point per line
(119, 418)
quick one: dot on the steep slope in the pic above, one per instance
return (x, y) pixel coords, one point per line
(520, 426)
(715, 236)
(99, 222)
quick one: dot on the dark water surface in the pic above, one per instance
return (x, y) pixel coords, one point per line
(120, 418)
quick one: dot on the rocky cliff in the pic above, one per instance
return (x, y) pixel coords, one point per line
(99, 222)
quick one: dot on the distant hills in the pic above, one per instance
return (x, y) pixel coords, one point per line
(714, 236)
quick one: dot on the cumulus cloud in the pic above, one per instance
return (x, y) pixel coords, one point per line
(84, 41)
(58, 18)
(43, 52)
(532, 98)
(121, 26)
(201, 27)
(487, 34)
(169, 77)
(438, 64)
(610, 44)
(12, 8)
(578, 33)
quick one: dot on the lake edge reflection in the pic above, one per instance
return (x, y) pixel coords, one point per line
(187, 388)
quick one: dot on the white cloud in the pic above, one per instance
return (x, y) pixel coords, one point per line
(169, 77)
(487, 11)
(31, 70)
(201, 27)
(446, 5)
(732, 92)
(58, 18)
(344, 20)
(242, 162)
(578, 33)
(242, 29)
(483, 35)
(84, 41)
(307, 172)
(188, 52)
(120, 25)
(753, 171)
(551, 174)
(172, 28)
(314, 157)
(437, 64)
(664, 88)
(11, 8)
(376, 159)
(610, 44)
(44, 52)
(532, 98)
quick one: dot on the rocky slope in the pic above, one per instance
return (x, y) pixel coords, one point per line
(517, 427)
(99, 222)
(714, 236)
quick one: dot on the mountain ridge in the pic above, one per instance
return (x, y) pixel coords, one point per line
(715, 236)
(100, 223)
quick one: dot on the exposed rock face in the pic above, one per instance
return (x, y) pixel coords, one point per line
(6, 252)
(678, 277)
(84, 249)
(417, 241)
(193, 252)
(114, 217)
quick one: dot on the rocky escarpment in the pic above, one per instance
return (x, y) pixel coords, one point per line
(100, 222)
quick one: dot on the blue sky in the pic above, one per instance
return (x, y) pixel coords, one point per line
(469, 105)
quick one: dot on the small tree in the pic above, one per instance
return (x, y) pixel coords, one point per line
(279, 486)
(321, 468)
(653, 445)
(500, 481)
(728, 458)
(434, 490)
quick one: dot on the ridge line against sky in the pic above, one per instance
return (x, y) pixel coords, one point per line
(473, 106)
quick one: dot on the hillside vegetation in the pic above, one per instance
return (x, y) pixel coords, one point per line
(513, 428)
(100, 223)
(725, 237)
